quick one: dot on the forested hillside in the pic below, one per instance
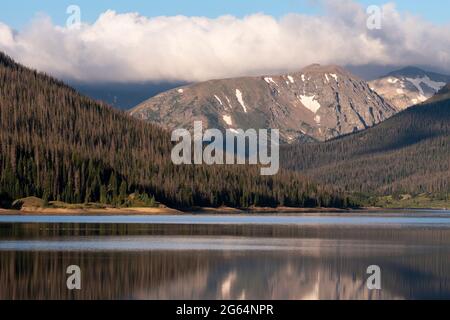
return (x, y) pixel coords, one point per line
(409, 153)
(59, 145)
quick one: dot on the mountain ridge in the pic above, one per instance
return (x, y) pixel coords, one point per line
(409, 86)
(416, 71)
(443, 94)
(315, 103)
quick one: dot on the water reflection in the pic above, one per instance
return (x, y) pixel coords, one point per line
(400, 218)
(252, 263)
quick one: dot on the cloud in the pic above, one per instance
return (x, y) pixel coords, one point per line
(129, 47)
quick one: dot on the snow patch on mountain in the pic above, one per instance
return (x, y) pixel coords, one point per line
(422, 98)
(310, 103)
(435, 85)
(417, 83)
(227, 120)
(229, 102)
(317, 119)
(392, 80)
(241, 100)
(218, 99)
(270, 80)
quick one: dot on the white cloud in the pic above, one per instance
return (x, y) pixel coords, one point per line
(130, 47)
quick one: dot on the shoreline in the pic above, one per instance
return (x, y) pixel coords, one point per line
(32, 211)
(262, 210)
(142, 211)
(165, 211)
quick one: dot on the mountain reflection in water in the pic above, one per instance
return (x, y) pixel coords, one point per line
(239, 263)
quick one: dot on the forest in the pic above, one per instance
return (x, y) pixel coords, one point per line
(408, 153)
(58, 145)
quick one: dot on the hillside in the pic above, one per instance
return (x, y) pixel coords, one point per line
(409, 153)
(316, 103)
(59, 145)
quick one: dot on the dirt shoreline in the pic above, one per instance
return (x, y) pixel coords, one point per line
(90, 212)
(30, 211)
(268, 210)
(167, 211)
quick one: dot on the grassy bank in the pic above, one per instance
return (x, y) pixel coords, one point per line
(408, 201)
(33, 205)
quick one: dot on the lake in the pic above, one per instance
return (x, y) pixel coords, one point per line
(304, 256)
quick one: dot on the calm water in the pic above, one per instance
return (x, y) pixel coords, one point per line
(227, 257)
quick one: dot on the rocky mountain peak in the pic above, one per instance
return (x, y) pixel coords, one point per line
(315, 103)
(409, 86)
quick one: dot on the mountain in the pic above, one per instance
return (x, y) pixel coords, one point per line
(122, 96)
(316, 103)
(409, 86)
(443, 94)
(408, 153)
(59, 145)
(445, 90)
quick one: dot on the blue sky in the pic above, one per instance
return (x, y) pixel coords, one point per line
(18, 13)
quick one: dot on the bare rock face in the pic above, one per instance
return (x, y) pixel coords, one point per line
(409, 86)
(316, 103)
